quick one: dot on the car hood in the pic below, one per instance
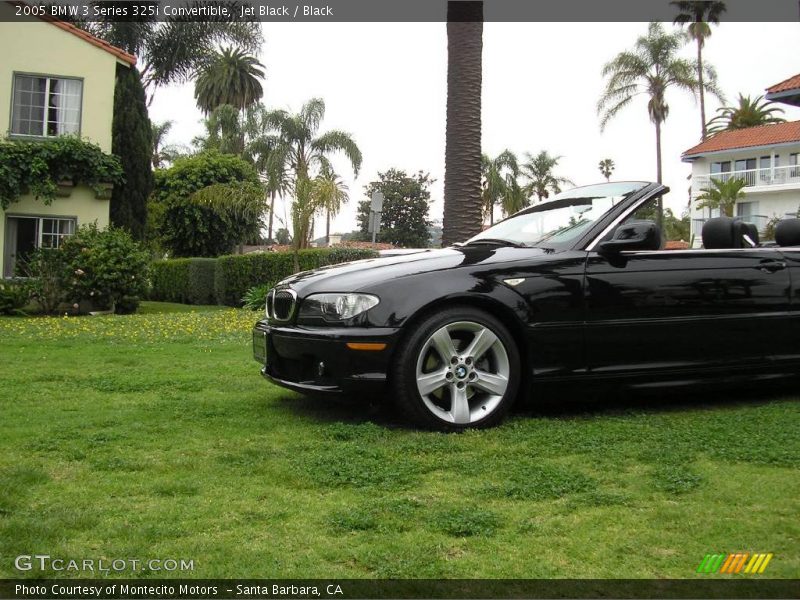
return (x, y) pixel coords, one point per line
(355, 276)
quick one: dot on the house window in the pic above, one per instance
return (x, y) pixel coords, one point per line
(745, 164)
(765, 166)
(54, 231)
(720, 167)
(46, 106)
(793, 162)
(24, 234)
(747, 210)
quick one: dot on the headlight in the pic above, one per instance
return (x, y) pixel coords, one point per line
(336, 307)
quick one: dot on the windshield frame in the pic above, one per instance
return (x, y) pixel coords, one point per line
(603, 225)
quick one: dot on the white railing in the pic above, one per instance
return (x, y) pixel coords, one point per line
(760, 221)
(752, 177)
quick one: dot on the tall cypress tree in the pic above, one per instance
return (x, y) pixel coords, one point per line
(132, 141)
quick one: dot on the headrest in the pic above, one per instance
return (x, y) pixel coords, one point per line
(742, 229)
(726, 232)
(718, 233)
(787, 232)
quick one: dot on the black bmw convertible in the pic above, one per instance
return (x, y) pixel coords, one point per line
(578, 288)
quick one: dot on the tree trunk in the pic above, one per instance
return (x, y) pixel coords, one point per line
(327, 228)
(491, 215)
(658, 151)
(462, 174)
(704, 133)
(271, 214)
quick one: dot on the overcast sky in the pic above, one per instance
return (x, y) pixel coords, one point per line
(386, 84)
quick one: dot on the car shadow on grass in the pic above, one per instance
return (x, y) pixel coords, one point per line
(574, 401)
(559, 401)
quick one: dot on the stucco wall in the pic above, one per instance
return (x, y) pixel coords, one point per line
(42, 48)
(80, 205)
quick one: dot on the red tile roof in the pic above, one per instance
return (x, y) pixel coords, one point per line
(793, 83)
(763, 135)
(86, 36)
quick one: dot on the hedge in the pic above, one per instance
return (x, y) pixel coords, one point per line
(169, 280)
(225, 280)
(201, 281)
(239, 272)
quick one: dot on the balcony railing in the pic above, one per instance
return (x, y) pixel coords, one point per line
(760, 221)
(752, 177)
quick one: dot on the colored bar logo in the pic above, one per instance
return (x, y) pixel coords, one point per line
(738, 562)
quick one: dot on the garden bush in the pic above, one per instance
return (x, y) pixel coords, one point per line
(236, 274)
(14, 296)
(256, 297)
(105, 267)
(46, 270)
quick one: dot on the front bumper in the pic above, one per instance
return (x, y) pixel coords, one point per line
(318, 360)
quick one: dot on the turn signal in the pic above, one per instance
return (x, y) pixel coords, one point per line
(374, 347)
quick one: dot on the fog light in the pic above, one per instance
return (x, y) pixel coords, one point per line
(321, 369)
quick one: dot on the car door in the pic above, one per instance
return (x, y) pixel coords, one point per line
(684, 309)
(786, 346)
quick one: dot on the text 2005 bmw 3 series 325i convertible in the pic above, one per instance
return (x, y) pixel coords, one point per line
(578, 288)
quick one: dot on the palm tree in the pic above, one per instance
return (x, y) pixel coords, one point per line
(462, 174)
(494, 173)
(225, 131)
(699, 15)
(606, 167)
(331, 193)
(306, 151)
(514, 197)
(538, 170)
(722, 195)
(748, 113)
(269, 154)
(229, 77)
(160, 153)
(650, 69)
(277, 181)
(172, 49)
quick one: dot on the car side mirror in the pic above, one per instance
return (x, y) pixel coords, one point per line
(636, 235)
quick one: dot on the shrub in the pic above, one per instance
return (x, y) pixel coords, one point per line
(201, 280)
(14, 296)
(256, 297)
(169, 280)
(47, 270)
(186, 280)
(236, 274)
(106, 267)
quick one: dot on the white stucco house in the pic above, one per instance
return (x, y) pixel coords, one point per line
(766, 157)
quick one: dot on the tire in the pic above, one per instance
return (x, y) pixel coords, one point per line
(483, 385)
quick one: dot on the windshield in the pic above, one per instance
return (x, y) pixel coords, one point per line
(560, 222)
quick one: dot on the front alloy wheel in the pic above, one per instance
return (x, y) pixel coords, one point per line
(465, 371)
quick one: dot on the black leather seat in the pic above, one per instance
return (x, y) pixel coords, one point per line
(726, 232)
(787, 232)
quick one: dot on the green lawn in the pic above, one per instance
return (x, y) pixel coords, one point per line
(154, 436)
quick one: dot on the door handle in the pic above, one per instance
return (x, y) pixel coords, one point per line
(770, 266)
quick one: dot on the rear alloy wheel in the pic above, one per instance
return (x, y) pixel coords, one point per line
(458, 370)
